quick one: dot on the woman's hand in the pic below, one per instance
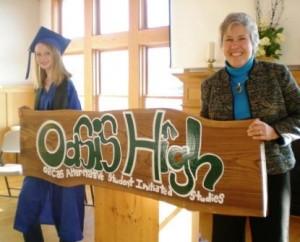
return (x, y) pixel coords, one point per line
(261, 131)
(21, 108)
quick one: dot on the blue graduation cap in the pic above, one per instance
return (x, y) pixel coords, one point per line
(47, 36)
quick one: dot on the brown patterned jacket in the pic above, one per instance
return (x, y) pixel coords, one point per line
(274, 98)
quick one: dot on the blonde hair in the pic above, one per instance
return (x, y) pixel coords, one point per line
(57, 73)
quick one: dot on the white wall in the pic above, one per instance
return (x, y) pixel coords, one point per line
(19, 21)
(45, 16)
(196, 22)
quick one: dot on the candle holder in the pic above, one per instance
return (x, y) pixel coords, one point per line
(210, 66)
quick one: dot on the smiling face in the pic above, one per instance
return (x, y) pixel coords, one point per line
(43, 56)
(236, 45)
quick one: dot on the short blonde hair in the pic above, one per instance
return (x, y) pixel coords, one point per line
(244, 20)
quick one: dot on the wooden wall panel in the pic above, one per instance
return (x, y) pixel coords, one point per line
(14, 101)
(11, 98)
(2, 110)
(3, 120)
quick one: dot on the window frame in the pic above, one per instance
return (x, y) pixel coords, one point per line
(134, 41)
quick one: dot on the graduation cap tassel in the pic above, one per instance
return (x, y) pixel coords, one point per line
(28, 65)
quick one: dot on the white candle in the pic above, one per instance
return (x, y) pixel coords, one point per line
(211, 51)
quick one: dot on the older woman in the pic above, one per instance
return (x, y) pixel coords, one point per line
(267, 93)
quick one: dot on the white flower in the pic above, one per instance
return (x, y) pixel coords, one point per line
(270, 33)
(280, 38)
(263, 24)
(277, 52)
(261, 51)
(265, 41)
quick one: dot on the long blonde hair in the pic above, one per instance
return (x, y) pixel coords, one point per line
(56, 74)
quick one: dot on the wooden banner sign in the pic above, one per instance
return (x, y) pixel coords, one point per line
(167, 155)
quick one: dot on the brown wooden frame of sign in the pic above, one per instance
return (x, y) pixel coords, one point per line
(239, 190)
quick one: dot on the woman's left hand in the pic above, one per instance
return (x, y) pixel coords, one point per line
(261, 131)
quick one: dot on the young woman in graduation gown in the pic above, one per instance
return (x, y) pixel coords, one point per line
(40, 201)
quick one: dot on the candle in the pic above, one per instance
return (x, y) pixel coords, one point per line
(211, 51)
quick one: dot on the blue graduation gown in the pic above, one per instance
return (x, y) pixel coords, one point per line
(43, 202)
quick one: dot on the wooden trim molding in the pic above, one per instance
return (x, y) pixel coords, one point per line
(191, 88)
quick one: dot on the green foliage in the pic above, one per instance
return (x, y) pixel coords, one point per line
(270, 42)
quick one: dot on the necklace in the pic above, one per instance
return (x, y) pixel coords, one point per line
(239, 88)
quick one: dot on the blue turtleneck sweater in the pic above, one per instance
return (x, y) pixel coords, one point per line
(238, 77)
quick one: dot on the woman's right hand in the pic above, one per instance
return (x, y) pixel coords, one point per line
(261, 131)
(21, 108)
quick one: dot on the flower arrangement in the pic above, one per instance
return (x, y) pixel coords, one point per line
(270, 34)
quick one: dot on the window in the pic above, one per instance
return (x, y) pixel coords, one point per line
(74, 64)
(113, 82)
(114, 72)
(157, 12)
(115, 46)
(113, 16)
(162, 88)
(126, 64)
(160, 75)
(73, 18)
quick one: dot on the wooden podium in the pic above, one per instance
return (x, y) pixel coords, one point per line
(160, 154)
